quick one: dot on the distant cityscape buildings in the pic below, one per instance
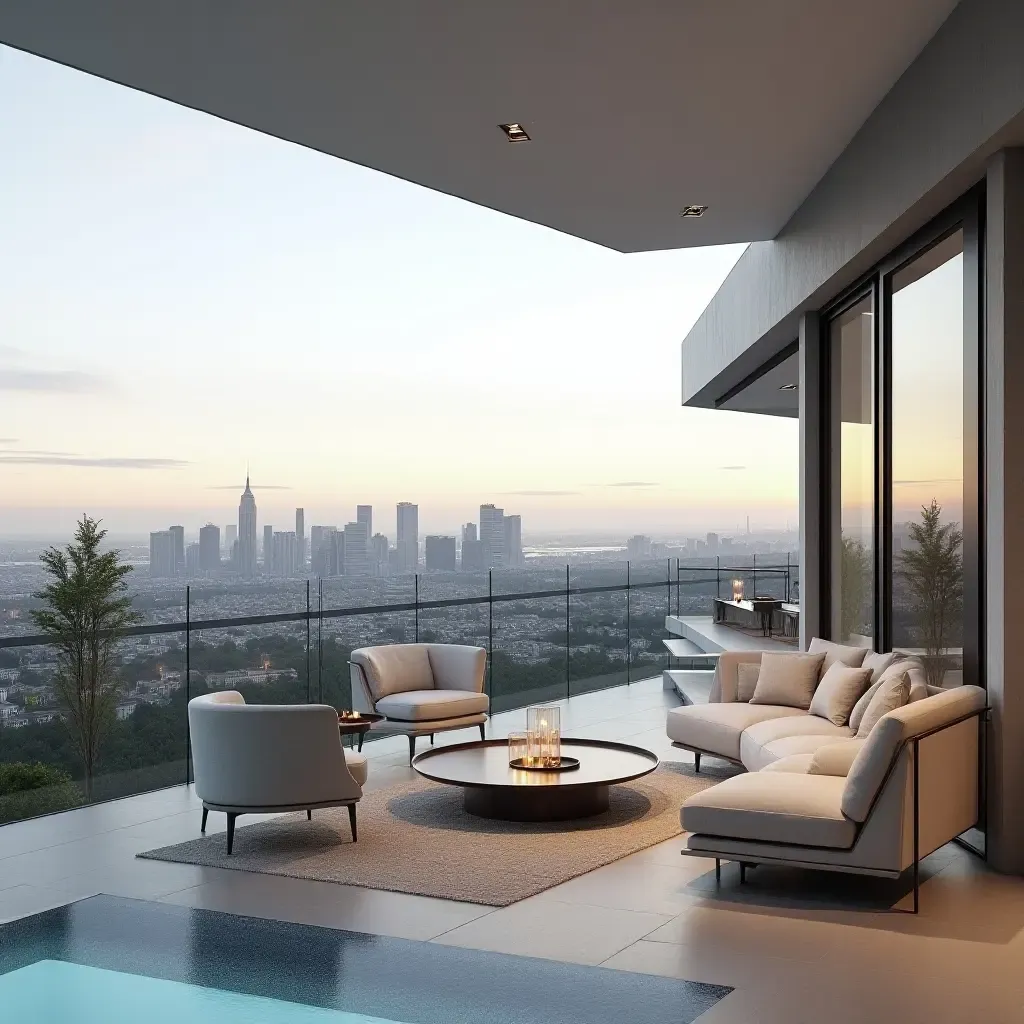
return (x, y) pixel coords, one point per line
(407, 542)
(209, 548)
(439, 554)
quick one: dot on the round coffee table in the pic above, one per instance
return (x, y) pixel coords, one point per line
(495, 790)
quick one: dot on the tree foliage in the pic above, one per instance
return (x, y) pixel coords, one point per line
(855, 588)
(934, 573)
(86, 608)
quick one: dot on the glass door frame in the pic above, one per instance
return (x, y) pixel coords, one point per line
(966, 215)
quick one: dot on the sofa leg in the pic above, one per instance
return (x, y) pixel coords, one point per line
(696, 760)
(231, 831)
(309, 815)
(352, 820)
(206, 814)
(412, 747)
(431, 739)
(361, 742)
(743, 872)
(718, 872)
(483, 734)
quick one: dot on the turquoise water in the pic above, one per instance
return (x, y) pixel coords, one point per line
(55, 992)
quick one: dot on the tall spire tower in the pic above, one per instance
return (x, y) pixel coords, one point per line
(247, 530)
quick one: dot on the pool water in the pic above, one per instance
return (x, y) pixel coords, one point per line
(56, 992)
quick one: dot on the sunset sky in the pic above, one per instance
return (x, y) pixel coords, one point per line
(180, 296)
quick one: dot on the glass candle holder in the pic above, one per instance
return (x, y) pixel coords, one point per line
(544, 736)
(737, 590)
(518, 748)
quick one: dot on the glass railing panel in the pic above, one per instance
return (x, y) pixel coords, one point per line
(457, 623)
(598, 620)
(240, 598)
(528, 656)
(364, 591)
(697, 584)
(650, 600)
(266, 663)
(137, 741)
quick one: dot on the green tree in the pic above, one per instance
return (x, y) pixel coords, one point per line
(934, 573)
(86, 609)
(855, 587)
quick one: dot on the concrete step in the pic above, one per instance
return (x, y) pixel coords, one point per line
(692, 685)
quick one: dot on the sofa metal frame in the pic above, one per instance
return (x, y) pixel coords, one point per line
(982, 714)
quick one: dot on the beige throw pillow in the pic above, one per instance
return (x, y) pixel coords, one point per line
(746, 679)
(890, 693)
(836, 654)
(878, 663)
(894, 671)
(835, 758)
(787, 680)
(839, 690)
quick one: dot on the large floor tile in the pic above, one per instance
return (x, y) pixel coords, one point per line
(571, 932)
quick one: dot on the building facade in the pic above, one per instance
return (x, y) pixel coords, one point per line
(407, 534)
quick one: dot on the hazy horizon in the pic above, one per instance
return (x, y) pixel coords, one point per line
(182, 297)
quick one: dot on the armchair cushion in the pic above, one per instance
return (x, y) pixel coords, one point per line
(432, 705)
(395, 668)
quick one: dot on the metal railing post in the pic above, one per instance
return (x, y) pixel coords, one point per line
(188, 682)
(718, 576)
(416, 603)
(627, 624)
(567, 649)
(308, 678)
(490, 633)
(753, 581)
(320, 640)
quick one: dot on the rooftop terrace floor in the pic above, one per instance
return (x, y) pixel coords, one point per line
(795, 946)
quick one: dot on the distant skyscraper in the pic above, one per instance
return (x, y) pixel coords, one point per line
(469, 532)
(492, 535)
(408, 534)
(247, 531)
(439, 554)
(472, 556)
(712, 542)
(379, 555)
(178, 540)
(638, 547)
(161, 554)
(230, 536)
(364, 515)
(357, 561)
(209, 547)
(192, 555)
(268, 548)
(300, 540)
(513, 526)
(284, 545)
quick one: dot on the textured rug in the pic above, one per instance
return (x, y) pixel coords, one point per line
(416, 838)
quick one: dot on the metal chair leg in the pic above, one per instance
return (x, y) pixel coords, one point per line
(696, 761)
(202, 828)
(718, 872)
(231, 831)
(412, 747)
(309, 815)
(352, 821)
(483, 734)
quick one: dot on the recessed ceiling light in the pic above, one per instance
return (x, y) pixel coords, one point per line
(515, 132)
(789, 387)
(693, 211)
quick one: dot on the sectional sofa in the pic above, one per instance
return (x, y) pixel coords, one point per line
(829, 790)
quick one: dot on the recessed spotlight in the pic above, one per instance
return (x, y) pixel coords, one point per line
(789, 387)
(515, 132)
(693, 211)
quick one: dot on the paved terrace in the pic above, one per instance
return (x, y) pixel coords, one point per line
(799, 948)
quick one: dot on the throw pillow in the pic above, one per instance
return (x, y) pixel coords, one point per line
(841, 653)
(746, 679)
(788, 680)
(835, 758)
(895, 670)
(892, 693)
(837, 693)
(878, 663)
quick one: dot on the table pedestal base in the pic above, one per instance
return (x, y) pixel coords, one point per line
(536, 803)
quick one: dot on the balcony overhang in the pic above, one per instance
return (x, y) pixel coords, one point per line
(634, 111)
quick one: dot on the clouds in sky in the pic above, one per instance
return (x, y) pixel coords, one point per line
(70, 382)
(64, 459)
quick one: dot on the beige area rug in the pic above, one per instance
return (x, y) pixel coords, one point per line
(416, 838)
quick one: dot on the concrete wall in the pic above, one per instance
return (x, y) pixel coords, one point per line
(925, 144)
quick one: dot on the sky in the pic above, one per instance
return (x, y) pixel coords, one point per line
(181, 298)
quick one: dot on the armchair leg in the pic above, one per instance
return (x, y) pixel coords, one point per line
(352, 820)
(696, 761)
(483, 734)
(431, 739)
(361, 742)
(231, 831)
(309, 815)
(412, 747)
(718, 872)
(206, 814)
(743, 872)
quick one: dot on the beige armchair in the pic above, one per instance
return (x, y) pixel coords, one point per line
(421, 689)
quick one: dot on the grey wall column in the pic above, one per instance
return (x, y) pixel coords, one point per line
(1004, 505)
(813, 491)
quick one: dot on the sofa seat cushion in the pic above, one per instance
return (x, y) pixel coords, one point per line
(761, 735)
(799, 763)
(773, 807)
(356, 765)
(717, 728)
(432, 705)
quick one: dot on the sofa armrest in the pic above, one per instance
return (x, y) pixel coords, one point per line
(725, 688)
(457, 667)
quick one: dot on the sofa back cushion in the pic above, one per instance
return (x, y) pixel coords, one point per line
(746, 679)
(839, 690)
(395, 668)
(841, 654)
(787, 680)
(869, 768)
